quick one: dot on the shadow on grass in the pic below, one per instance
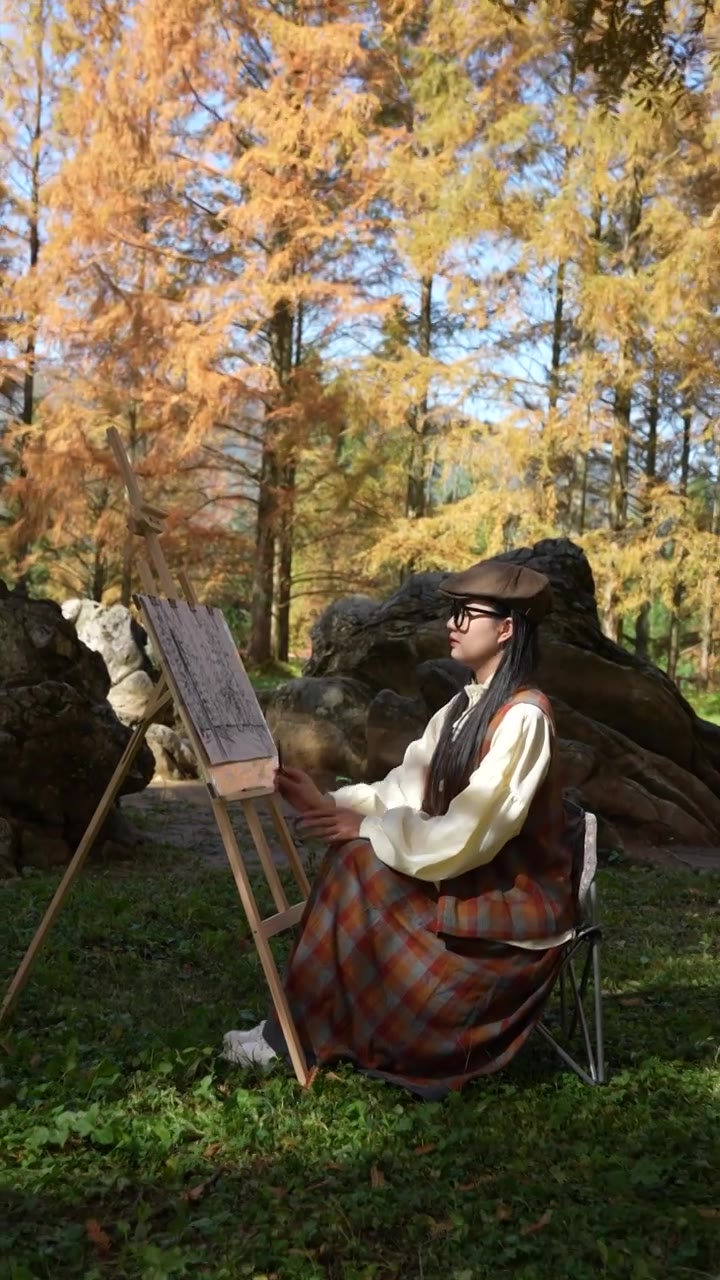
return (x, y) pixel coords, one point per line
(116, 1112)
(356, 1181)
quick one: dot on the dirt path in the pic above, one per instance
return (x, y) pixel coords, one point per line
(179, 814)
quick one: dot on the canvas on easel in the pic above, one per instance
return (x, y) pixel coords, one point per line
(201, 671)
(212, 692)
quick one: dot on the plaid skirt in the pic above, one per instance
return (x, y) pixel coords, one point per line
(369, 981)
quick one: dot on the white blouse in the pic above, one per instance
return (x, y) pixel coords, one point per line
(480, 819)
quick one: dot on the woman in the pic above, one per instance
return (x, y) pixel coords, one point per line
(430, 940)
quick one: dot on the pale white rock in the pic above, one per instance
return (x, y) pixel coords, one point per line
(129, 698)
(113, 633)
(173, 752)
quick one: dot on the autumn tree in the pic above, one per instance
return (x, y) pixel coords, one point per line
(32, 63)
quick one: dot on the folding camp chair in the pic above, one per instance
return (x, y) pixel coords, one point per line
(583, 945)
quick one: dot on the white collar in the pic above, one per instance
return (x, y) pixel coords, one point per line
(475, 691)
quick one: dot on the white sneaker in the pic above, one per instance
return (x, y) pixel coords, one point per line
(249, 1053)
(240, 1037)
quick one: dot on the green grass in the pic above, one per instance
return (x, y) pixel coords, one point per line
(128, 1150)
(272, 674)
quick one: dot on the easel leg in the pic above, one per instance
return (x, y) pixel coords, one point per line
(266, 858)
(288, 844)
(75, 865)
(267, 958)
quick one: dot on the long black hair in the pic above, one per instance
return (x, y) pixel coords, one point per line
(456, 757)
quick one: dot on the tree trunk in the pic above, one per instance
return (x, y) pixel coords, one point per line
(674, 636)
(623, 396)
(417, 502)
(128, 555)
(557, 337)
(273, 476)
(285, 560)
(642, 622)
(706, 623)
(679, 589)
(557, 462)
(261, 600)
(642, 631)
(22, 546)
(618, 497)
(582, 513)
(99, 574)
(292, 359)
(560, 462)
(286, 514)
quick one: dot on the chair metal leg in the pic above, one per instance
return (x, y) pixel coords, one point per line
(563, 1002)
(595, 1053)
(583, 1023)
(597, 996)
(567, 1059)
(583, 987)
(587, 936)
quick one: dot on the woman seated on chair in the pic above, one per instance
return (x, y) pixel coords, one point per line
(431, 937)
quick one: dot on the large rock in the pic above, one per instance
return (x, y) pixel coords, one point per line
(60, 740)
(393, 722)
(382, 644)
(124, 646)
(440, 679)
(175, 759)
(319, 724)
(130, 698)
(632, 748)
(631, 786)
(112, 632)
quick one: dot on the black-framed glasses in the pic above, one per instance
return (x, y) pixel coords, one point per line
(461, 613)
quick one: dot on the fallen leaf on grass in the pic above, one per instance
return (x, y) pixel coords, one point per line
(193, 1194)
(503, 1212)
(441, 1227)
(377, 1177)
(532, 1227)
(476, 1182)
(97, 1236)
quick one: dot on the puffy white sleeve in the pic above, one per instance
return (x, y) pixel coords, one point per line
(404, 786)
(482, 818)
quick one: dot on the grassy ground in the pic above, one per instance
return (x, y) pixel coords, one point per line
(273, 673)
(128, 1150)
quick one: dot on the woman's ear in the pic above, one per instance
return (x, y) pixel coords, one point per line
(506, 630)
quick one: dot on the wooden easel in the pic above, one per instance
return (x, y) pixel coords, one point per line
(226, 782)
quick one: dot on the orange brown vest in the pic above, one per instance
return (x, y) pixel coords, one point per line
(526, 893)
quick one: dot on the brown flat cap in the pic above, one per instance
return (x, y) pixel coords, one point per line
(523, 589)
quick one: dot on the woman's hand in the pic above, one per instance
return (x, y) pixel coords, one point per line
(297, 787)
(333, 828)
